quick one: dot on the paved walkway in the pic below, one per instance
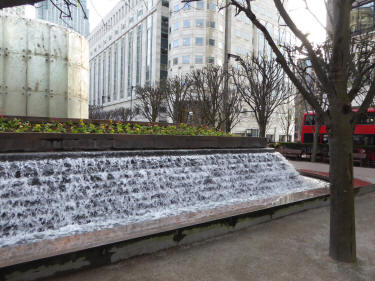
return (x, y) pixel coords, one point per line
(290, 248)
(365, 174)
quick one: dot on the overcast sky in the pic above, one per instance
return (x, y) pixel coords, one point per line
(99, 8)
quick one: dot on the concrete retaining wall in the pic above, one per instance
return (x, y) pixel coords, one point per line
(40, 142)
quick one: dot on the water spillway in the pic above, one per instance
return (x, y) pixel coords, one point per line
(46, 196)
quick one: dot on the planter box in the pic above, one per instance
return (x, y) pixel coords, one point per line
(43, 142)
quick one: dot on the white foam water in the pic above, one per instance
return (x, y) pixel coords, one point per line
(50, 198)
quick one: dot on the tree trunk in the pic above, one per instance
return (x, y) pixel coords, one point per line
(315, 141)
(342, 224)
(262, 130)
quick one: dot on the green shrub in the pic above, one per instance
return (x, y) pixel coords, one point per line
(81, 127)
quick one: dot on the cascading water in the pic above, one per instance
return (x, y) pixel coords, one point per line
(48, 198)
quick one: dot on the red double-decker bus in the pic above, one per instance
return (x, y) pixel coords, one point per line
(364, 132)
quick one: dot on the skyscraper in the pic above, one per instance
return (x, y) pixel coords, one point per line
(79, 20)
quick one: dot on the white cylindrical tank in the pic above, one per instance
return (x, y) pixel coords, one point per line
(44, 69)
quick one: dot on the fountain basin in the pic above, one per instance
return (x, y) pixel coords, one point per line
(102, 202)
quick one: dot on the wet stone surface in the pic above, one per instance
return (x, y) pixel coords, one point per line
(45, 199)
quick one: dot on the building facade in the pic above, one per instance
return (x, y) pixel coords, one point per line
(14, 11)
(79, 20)
(141, 42)
(129, 49)
(197, 38)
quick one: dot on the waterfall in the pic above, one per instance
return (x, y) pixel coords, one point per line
(46, 198)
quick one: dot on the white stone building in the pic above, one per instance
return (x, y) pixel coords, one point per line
(141, 42)
(129, 48)
(197, 34)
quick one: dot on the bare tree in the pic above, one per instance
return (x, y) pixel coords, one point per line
(339, 118)
(150, 99)
(207, 94)
(287, 118)
(177, 96)
(119, 114)
(231, 109)
(264, 86)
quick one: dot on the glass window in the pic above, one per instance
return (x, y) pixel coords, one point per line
(211, 42)
(254, 133)
(175, 61)
(148, 48)
(199, 59)
(130, 63)
(212, 24)
(115, 72)
(175, 26)
(211, 60)
(186, 41)
(200, 5)
(187, 6)
(362, 17)
(122, 68)
(238, 33)
(175, 43)
(212, 7)
(310, 120)
(186, 23)
(176, 8)
(199, 22)
(139, 54)
(186, 59)
(199, 41)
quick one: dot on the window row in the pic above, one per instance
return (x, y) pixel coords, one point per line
(198, 5)
(120, 66)
(123, 12)
(243, 34)
(197, 23)
(189, 59)
(198, 41)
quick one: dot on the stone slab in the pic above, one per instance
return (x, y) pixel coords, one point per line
(17, 254)
(44, 142)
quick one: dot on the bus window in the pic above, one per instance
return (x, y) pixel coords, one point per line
(308, 138)
(367, 118)
(310, 120)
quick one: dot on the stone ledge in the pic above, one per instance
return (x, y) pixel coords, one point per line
(48, 142)
(182, 230)
(22, 253)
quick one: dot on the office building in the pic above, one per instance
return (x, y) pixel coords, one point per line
(129, 48)
(76, 17)
(141, 42)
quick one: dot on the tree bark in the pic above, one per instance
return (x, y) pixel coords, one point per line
(315, 141)
(342, 218)
(262, 130)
